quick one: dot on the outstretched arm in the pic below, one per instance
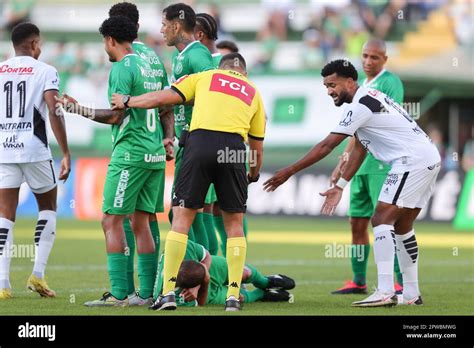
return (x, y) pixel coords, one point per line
(106, 116)
(149, 100)
(341, 165)
(317, 153)
(334, 194)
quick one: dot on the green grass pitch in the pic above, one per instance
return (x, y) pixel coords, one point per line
(297, 247)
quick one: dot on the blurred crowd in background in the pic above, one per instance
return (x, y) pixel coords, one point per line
(337, 28)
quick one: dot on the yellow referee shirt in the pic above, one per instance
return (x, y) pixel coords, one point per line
(224, 101)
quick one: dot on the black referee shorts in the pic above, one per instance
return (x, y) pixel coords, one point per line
(213, 157)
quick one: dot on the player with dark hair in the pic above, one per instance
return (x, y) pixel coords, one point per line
(165, 129)
(29, 89)
(384, 128)
(136, 166)
(203, 279)
(228, 110)
(190, 57)
(225, 47)
(368, 181)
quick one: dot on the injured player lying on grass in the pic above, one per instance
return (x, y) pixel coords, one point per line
(203, 279)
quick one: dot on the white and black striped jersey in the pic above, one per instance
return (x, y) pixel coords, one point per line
(23, 110)
(388, 131)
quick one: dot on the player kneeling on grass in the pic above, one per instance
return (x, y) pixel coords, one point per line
(203, 279)
(384, 128)
(29, 88)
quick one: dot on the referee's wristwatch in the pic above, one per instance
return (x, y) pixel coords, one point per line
(251, 180)
(125, 100)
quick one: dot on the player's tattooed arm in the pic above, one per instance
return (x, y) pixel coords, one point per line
(58, 125)
(334, 194)
(107, 116)
(341, 165)
(167, 123)
(317, 153)
(148, 100)
(355, 160)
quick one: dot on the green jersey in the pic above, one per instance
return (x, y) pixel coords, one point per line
(194, 58)
(391, 85)
(216, 58)
(159, 72)
(137, 141)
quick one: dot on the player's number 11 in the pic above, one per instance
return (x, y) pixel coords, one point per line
(21, 89)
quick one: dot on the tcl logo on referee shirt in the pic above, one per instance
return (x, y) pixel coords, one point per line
(232, 86)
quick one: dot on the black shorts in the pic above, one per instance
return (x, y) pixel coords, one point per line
(213, 157)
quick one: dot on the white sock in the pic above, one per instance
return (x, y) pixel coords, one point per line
(6, 247)
(384, 253)
(44, 240)
(407, 252)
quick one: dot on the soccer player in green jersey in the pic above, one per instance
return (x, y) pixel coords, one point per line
(165, 128)
(136, 166)
(369, 179)
(203, 279)
(191, 57)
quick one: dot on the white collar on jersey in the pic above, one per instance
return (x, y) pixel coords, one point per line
(362, 90)
(366, 84)
(138, 42)
(130, 54)
(216, 54)
(192, 43)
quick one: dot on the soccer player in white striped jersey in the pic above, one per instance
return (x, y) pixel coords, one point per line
(384, 128)
(27, 91)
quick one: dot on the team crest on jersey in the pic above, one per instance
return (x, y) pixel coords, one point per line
(365, 143)
(179, 68)
(347, 120)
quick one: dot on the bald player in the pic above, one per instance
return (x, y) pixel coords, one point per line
(369, 179)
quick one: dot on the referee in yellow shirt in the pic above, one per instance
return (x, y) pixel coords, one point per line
(228, 110)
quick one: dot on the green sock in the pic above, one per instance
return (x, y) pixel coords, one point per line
(146, 273)
(211, 233)
(200, 232)
(131, 254)
(252, 296)
(155, 233)
(117, 268)
(397, 271)
(359, 262)
(219, 223)
(257, 279)
(245, 227)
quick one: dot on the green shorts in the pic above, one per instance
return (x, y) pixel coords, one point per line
(365, 191)
(128, 188)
